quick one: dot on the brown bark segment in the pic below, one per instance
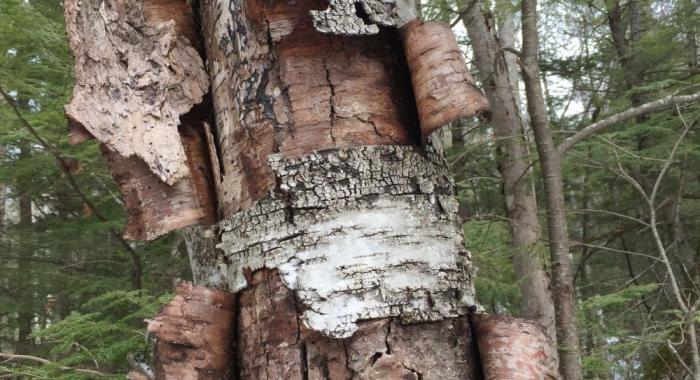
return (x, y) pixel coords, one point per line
(513, 348)
(272, 344)
(155, 208)
(443, 87)
(280, 86)
(194, 333)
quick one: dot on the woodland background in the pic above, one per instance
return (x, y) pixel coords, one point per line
(74, 295)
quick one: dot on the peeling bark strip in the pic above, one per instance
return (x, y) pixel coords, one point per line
(360, 233)
(272, 343)
(514, 349)
(137, 77)
(281, 86)
(194, 333)
(442, 84)
(134, 78)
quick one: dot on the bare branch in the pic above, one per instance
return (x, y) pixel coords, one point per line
(36, 359)
(599, 126)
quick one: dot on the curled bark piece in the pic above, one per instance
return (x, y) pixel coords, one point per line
(513, 348)
(442, 84)
(136, 74)
(194, 333)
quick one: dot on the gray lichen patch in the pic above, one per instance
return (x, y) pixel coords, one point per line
(134, 79)
(358, 234)
(353, 17)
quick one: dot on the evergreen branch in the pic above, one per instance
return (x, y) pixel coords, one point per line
(599, 126)
(10, 357)
(69, 176)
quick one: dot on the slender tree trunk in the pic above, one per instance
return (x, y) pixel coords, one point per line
(550, 161)
(625, 47)
(25, 314)
(512, 154)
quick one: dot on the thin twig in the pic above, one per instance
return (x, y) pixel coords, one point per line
(66, 172)
(36, 359)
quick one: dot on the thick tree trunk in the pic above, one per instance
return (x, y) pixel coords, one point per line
(339, 253)
(550, 161)
(512, 154)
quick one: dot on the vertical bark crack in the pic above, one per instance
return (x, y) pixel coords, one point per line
(331, 100)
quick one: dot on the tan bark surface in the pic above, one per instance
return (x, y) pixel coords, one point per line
(138, 75)
(135, 77)
(281, 86)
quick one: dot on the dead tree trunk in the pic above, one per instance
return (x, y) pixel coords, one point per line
(338, 252)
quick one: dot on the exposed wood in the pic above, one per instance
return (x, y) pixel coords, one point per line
(194, 333)
(155, 208)
(443, 87)
(513, 348)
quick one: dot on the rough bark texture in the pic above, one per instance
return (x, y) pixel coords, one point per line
(351, 17)
(340, 254)
(514, 349)
(550, 161)
(443, 87)
(360, 233)
(138, 75)
(194, 334)
(521, 203)
(135, 77)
